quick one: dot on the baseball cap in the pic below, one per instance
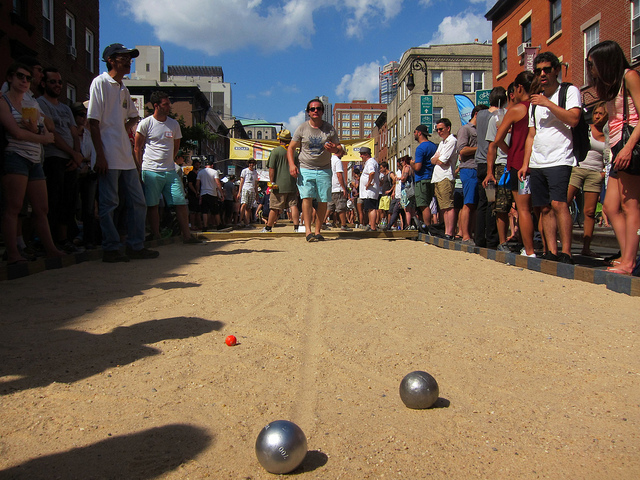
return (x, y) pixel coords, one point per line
(422, 129)
(116, 48)
(284, 135)
(365, 150)
(78, 108)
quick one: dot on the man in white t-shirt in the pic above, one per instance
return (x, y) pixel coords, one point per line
(248, 192)
(369, 187)
(211, 196)
(339, 192)
(444, 161)
(112, 115)
(549, 154)
(156, 145)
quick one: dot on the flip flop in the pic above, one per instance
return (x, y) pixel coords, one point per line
(618, 271)
(311, 238)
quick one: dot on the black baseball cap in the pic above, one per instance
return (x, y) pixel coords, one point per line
(117, 48)
(422, 129)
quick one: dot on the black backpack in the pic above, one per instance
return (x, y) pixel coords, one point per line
(581, 142)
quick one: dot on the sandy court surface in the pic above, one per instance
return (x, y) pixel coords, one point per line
(121, 371)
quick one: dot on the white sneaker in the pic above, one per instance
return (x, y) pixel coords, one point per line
(523, 252)
(264, 230)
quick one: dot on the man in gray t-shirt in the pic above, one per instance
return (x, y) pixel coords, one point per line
(317, 140)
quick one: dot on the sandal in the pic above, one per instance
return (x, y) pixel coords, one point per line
(311, 238)
(617, 270)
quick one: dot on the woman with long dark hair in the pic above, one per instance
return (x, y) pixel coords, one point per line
(617, 84)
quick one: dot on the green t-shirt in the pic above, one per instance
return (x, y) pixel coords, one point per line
(278, 161)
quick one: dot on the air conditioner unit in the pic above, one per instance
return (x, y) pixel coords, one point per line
(71, 50)
(521, 48)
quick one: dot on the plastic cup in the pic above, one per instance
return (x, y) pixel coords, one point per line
(490, 190)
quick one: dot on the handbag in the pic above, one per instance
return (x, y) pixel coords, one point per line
(634, 165)
(410, 187)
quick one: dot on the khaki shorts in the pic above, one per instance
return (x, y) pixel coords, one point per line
(338, 203)
(444, 193)
(588, 180)
(280, 201)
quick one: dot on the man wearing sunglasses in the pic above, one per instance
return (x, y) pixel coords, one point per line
(444, 161)
(61, 161)
(549, 154)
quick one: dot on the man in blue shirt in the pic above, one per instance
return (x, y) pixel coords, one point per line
(423, 170)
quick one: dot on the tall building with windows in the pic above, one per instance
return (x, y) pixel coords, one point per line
(569, 28)
(388, 82)
(356, 119)
(451, 69)
(59, 34)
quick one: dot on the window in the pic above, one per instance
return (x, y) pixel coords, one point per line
(71, 93)
(259, 135)
(367, 116)
(47, 20)
(472, 81)
(345, 133)
(355, 133)
(502, 47)
(437, 115)
(250, 134)
(147, 67)
(367, 133)
(88, 40)
(526, 31)
(71, 34)
(591, 37)
(367, 124)
(556, 16)
(20, 8)
(346, 116)
(355, 116)
(436, 81)
(635, 29)
(355, 124)
(346, 124)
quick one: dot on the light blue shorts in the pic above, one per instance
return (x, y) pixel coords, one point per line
(315, 184)
(168, 184)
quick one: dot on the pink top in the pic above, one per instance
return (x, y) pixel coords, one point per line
(615, 109)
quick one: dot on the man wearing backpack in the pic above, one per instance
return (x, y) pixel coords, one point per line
(549, 153)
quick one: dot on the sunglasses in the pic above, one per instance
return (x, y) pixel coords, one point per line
(546, 70)
(316, 109)
(54, 82)
(22, 76)
(440, 129)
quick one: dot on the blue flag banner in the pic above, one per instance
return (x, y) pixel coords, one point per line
(464, 108)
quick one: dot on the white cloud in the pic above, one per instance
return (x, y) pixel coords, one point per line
(463, 28)
(362, 84)
(294, 122)
(217, 26)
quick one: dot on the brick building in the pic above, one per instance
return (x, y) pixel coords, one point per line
(568, 28)
(60, 34)
(356, 119)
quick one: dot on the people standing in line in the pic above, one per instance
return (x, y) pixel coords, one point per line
(444, 183)
(467, 138)
(339, 192)
(549, 154)
(157, 144)
(25, 132)
(423, 171)
(369, 188)
(516, 120)
(617, 84)
(486, 231)
(317, 140)
(284, 193)
(112, 114)
(589, 176)
(248, 192)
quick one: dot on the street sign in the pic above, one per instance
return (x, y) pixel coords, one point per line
(427, 120)
(426, 104)
(482, 97)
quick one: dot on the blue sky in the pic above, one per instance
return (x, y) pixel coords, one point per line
(279, 54)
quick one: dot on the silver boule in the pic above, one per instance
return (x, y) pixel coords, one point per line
(281, 446)
(419, 390)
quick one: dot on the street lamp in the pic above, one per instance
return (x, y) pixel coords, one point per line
(421, 65)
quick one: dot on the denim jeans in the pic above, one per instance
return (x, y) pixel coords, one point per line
(135, 204)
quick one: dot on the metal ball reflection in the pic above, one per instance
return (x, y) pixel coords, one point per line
(419, 390)
(281, 446)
